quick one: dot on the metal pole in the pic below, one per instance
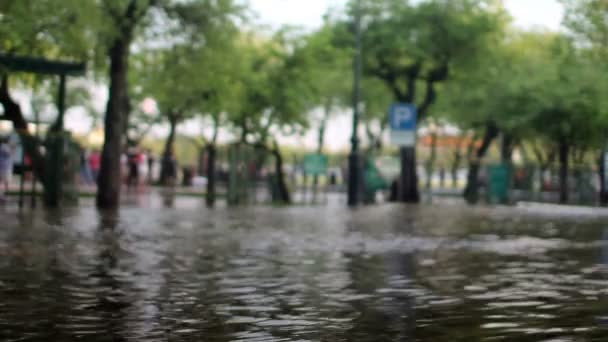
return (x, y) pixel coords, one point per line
(22, 180)
(61, 102)
(53, 190)
(353, 159)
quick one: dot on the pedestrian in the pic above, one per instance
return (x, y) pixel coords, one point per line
(151, 161)
(442, 177)
(95, 164)
(85, 168)
(333, 178)
(142, 162)
(132, 167)
(170, 166)
(6, 166)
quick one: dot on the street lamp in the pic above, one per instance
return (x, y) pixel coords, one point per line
(354, 165)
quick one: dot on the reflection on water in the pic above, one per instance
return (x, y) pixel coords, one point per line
(390, 273)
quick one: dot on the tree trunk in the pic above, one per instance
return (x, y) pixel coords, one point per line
(211, 157)
(408, 180)
(458, 159)
(455, 167)
(471, 191)
(564, 153)
(602, 174)
(167, 170)
(282, 190)
(109, 180)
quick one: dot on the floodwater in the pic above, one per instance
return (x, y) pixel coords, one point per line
(437, 273)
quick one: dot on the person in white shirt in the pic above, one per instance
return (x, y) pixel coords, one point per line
(6, 164)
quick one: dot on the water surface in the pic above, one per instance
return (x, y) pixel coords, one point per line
(445, 272)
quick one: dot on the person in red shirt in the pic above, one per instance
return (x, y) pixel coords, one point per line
(95, 163)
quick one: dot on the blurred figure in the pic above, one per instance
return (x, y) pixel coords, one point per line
(150, 161)
(133, 167)
(333, 178)
(142, 162)
(6, 166)
(85, 168)
(169, 169)
(94, 164)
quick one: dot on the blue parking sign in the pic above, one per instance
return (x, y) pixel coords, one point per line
(403, 117)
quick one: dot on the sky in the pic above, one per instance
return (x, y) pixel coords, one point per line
(308, 14)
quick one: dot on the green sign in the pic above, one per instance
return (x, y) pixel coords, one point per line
(499, 177)
(315, 164)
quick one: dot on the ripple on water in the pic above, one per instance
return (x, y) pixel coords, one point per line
(303, 274)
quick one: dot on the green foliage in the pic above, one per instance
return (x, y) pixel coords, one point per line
(413, 44)
(328, 67)
(47, 28)
(534, 86)
(586, 21)
(572, 98)
(277, 88)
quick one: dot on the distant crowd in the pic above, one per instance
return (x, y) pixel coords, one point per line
(138, 167)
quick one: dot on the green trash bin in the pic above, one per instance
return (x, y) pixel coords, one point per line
(373, 178)
(499, 182)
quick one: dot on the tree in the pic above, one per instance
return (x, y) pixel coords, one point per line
(277, 93)
(173, 87)
(125, 19)
(572, 115)
(330, 77)
(499, 96)
(223, 89)
(122, 19)
(411, 45)
(536, 87)
(329, 74)
(586, 22)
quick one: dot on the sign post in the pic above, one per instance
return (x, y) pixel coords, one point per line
(403, 118)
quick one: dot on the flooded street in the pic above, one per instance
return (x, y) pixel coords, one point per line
(390, 273)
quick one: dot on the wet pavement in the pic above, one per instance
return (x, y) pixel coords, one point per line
(445, 272)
